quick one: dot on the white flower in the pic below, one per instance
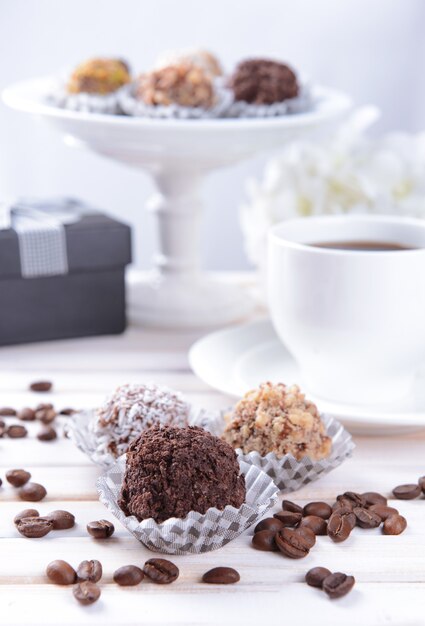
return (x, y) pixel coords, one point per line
(349, 172)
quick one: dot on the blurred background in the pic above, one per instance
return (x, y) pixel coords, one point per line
(369, 49)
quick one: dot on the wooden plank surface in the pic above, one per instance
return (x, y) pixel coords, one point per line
(390, 571)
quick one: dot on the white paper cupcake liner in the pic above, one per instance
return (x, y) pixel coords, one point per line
(290, 474)
(86, 102)
(302, 103)
(80, 428)
(130, 105)
(196, 532)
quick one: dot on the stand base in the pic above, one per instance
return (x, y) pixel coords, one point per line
(187, 302)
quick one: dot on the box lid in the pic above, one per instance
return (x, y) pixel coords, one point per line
(95, 241)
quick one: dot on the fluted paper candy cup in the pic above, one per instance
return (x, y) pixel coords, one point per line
(81, 429)
(300, 104)
(290, 474)
(196, 532)
(85, 102)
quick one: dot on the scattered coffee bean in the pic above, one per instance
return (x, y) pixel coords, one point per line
(32, 492)
(46, 414)
(128, 576)
(90, 571)
(61, 520)
(86, 592)
(308, 535)
(407, 492)
(339, 527)
(221, 576)
(394, 525)
(47, 433)
(366, 518)
(265, 540)
(383, 511)
(356, 499)
(161, 571)
(317, 524)
(270, 523)
(288, 518)
(27, 414)
(292, 543)
(18, 477)
(101, 529)
(2, 429)
(421, 483)
(338, 584)
(67, 411)
(25, 513)
(372, 497)
(41, 386)
(1, 482)
(15, 431)
(316, 576)
(320, 509)
(287, 505)
(61, 573)
(34, 527)
(7, 411)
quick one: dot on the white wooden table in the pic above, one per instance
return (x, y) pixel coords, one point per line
(390, 571)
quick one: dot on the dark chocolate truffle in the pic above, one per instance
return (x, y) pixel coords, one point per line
(261, 81)
(171, 471)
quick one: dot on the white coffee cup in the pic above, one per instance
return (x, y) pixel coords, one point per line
(353, 320)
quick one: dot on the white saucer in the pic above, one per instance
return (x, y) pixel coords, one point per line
(240, 358)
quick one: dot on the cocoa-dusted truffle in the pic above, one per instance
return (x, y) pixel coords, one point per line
(184, 84)
(99, 76)
(279, 419)
(172, 471)
(131, 409)
(261, 81)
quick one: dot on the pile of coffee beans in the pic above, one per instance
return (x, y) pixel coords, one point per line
(336, 584)
(89, 573)
(293, 531)
(31, 524)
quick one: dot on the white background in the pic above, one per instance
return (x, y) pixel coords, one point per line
(373, 49)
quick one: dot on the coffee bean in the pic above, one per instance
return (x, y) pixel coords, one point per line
(287, 505)
(383, 511)
(2, 424)
(292, 543)
(90, 571)
(15, 431)
(7, 411)
(270, 523)
(67, 411)
(356, 499)
(47, 433)
(338, 584)
(34, 527)
(32, 492)
(86, 592)
(128, 576)
(317, 524)
(372, 497)
(101, 529)
(339, 527)
(46, 415)
(27, 414)
(221, 576)
(308, 535)
(342, 503)
(316, 576)
(61, 573)
(41, 386)
(61, 520)
(265, 540)
(407, 492)
(25, 513)
(320, 509)
(394, 525)
(1, 482)
(421, 483)
(2, 429)
(161, 571)
(18, 477)
(288, 518)
(366, 518)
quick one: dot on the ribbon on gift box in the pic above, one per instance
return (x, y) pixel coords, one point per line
(40, 227)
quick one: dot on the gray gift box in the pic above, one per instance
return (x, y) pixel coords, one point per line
(62, 267)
